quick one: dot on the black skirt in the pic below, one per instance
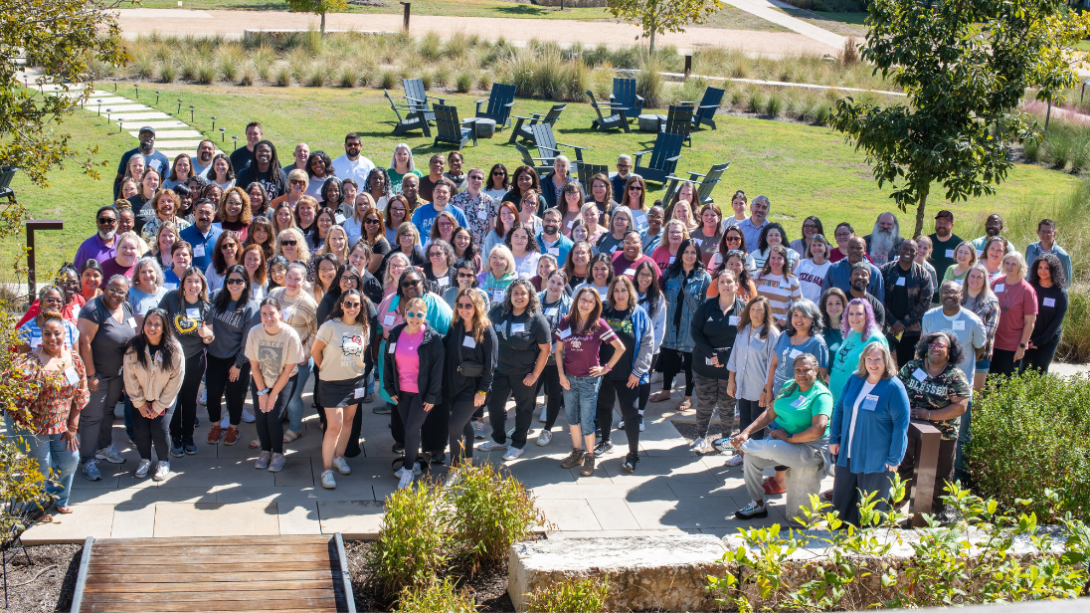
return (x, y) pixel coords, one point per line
(340, 394)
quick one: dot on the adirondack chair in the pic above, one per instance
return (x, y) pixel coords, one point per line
(624, 96)
(615, 119)
(679, 120)
(542, 166)
(452, 131)
(499, 102)
(586, 171)
(417, 98)
(411, 121)
(663, 160)
(547, 149)
(705, 111)
(704, 186)
(523, 132)
(6, 175)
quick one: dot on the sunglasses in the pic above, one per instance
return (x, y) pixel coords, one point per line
(414, 315)
(476, 178)
(230, 247)
(499, 173)
(410, 283)
(435, 254)
(234, 282)
(465, 305)
(107, 221)
(936, 346)
(462, 275)
(289, 243)
(298, 182)
(351, 305)
(734, 239)
(635, 188)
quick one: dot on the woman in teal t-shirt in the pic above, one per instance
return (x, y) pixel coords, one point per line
(858, 329)
(799, 439)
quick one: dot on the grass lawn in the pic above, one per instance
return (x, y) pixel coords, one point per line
(845, 24)
(804, 170)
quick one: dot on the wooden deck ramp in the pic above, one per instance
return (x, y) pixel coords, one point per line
(232, 574)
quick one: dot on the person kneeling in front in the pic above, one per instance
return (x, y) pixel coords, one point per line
(798, 438)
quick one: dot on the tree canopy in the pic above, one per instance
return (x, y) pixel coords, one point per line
(662, 16)
(318, 7)
(965, 66)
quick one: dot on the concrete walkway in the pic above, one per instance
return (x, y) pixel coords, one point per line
(231, 24)
(766, 9)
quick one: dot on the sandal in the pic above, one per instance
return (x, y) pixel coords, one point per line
(772, 488)
(661, 396)
(63, 510)
(684, 405)
(255, 444)
(291, 436)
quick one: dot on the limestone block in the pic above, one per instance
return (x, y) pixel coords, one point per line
(666, 573)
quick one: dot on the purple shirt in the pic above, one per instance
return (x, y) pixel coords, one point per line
(111, 268)
(95, 248)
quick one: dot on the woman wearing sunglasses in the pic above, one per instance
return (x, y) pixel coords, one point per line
(234, 312)
(471, 353)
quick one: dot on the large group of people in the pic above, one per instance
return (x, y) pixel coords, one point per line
(440, 294)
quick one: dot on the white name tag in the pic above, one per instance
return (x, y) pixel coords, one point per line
(360, 392)
(733, 320)
(900, 282)
(552, 312)
(443, 281)
(554, 251)
(340, 219)
(613, 249)
(699, 242)
(565, 333)
(959, 325)
(672, 259)
(388, 320)
(631, 272)
(794, 353)
(571, 223)
(193, 313)
(1049, 302)
(391, 348)
(1000, 287)
(72, 376)
(132, 323)
(799, 402)
(920, 375)
(516, 328)
(198, 251)
(482, 215)
(497, 295)
(170, 285)
(870, 402)
(949, 253)
(469, 342)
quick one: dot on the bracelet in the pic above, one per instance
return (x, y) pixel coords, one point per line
(608, 367)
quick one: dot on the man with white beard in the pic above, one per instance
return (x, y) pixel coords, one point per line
(102, 246)
(882, 243)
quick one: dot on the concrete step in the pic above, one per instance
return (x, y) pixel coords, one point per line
(164, 125)
(126, 108)
(171, 134)
(176, 144)
(136, 117)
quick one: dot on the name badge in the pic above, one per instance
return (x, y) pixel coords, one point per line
(552, 312)
(554, 251)
(794, 353)
(565, 333)
(482, 215)
(516, 328)
(469, 342)
(699, 242)
(613, 249)
(631, 272)
(285, 315)
(360, 392)
(959, 325)
(193, 313)
(1049, 302)
(132, 322)
(72, 376)
(388, 320)
(443, 281)
(801, 400)
(497, 295)
(900, 282)
(709, 361)
(391, 348)
(198, 251)
(340, 219)
(870, 402)
(950, 253)
(732, 320)
(1000, 287)
(672, 259)
(920, 375)
(170, 286)
(571, 223)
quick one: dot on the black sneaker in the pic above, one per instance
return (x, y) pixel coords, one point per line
(588, 465)
(398, 448)
(603, 448)
(189, 446)
(176, 447)
(196, 422)
(630, 462)
(382, 409)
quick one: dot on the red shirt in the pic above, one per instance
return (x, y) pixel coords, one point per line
(1015, 302)
(621, 264)
(581, 350)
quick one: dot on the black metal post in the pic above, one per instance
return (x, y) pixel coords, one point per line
(31, 227)
(688, 65)
(408, 9)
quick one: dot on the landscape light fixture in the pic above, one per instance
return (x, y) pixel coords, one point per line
(179, 107)
(223, 134)
(213, 122)
(136, 86)
(156, 97)
(235, 138)
(191, 113)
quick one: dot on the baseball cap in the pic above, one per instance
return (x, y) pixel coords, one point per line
(147, 129)
(945, 214)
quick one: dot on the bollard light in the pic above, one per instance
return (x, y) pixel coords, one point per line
(156, 97)
(213, 122)
(179, 107)
(223, 135)
(235, 139)
(191, 113)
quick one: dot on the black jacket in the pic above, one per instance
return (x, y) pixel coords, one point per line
(714, 333)
(455, 385)
(430, 381)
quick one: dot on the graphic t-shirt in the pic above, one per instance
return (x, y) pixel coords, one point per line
(934, 393)
(407, 354)
(273, 352)
(342, 357)
(581, 350)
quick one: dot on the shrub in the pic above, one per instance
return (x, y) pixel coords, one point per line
(650, 84)
(283, 76)
(1032, 149)
(438, 78)
(484, 83)
(849, 56)
(436, 596)
(1075, 343)
(587, 595)
(458, 45)
(426, 80)
(229, 70)
(319, 74)
(249, 75)
(755, 100)
(143, 65)
(463, 82)
(388, 79)
(167, 72)
(429, 46)
(773, 105)
(346, 76)
(491, 511)
(412, 543)
(206, 72)
(189, 68)
(1069, 213)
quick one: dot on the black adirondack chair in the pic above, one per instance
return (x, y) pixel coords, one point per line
(499, 102)
(586, 171)
(704, 183)
(679, 120)
(523, 131)
(624, 96)
(412, 120)
(547, 148)
(663, 160)
(417, 98)
(451, 130)
(705, 111)
(6, 175)
(615, 118)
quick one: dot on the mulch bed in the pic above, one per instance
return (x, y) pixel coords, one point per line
(48, 583)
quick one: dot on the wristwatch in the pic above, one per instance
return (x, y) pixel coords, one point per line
(1021, 345)
(264, 391)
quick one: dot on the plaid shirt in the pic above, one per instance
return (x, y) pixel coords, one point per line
(988, 312)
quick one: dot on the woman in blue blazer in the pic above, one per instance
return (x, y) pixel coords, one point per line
(869, 432)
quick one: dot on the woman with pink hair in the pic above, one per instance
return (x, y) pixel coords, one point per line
(859, 329)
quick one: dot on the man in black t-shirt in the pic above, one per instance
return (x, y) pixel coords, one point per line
(943, 244)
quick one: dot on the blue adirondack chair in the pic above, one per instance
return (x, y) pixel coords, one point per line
(547, 149)
(663, 160)
(411, 121)
(705, 111)
(679, 120)
(499, 102)
(615, 117)
(585, 171)
(624, 96)
(704, 183)
(417, 98)
(524, 132)
(451, 130)
(6, 175)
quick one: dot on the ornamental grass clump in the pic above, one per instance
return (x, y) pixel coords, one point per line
(436, 596)
(490, 512)
(413, 543)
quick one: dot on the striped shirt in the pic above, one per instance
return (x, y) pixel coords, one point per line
(781, 292)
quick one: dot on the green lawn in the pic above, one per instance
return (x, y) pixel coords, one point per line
(803, 169)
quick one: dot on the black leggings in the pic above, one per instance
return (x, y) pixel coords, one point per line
(554, 394)
(147, 431)
(413, 417)
(185, 411)
(221, 388)
(679, 361)
(1041, 357)
(270, 426)
(460, 429)
(748, 412)
(433, 434)
(628, 399)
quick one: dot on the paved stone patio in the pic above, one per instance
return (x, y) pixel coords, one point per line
(218, 491)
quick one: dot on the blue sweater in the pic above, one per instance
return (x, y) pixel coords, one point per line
(881, 435)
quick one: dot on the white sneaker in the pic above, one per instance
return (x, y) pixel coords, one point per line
(342, 465)
(544, 438)
(143, 468)
(162, 469)
(406, 479)
(700, 445)
(642, 427)
(328, 482)
(110, 454)
(248, 415)
(204, 396)
(734, 460)
(512, 453)
(491, 446)
(544, 417)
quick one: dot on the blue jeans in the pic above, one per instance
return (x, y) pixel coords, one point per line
(964, 436)
(296, 409)
(53, 455)
(581, 402)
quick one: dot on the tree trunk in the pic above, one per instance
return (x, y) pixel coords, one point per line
(920, 208)
(654, 26)
(323, 24)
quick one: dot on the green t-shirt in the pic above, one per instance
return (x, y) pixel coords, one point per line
(795, 411)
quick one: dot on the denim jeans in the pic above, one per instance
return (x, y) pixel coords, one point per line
(296, 408)
(581, 402)
(52, 453)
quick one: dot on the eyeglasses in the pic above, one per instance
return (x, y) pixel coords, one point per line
(435, 254)
(498, 173)
(936, 346)
(734, 239)
(350, 305)
(54, 299)
(107, 221)
(229, 247)
(412, 283)
(412, 315)
(289, 243)
(397, 210)
(465, 305)
(477, 177)
(234, 281)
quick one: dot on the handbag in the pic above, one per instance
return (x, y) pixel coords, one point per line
(468, 368)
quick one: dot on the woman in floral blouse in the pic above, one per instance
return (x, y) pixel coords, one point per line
(47, 418)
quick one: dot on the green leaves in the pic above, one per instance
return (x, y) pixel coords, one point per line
(661, 16)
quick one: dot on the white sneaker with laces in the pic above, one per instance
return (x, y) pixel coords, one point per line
(642, 427)
(544, 438)
(406, 479)
(328, 482)
(248, 415)
(734, 460)
(342, 465)
(512, 453)
(491, 446)
(162, 469)
(700, 445)
(143, 468)
(543, 417)
(204, 396)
